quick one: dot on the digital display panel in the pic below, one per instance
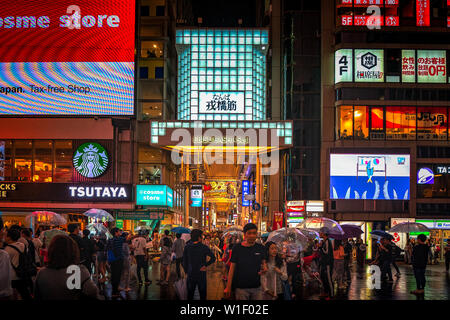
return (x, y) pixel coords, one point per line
(369, 65)
(245, 190)
(61, 57)
(370, 176)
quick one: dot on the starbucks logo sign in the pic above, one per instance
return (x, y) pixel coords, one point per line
(91, 160)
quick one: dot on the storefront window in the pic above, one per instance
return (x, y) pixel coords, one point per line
(361, 123)
(23, 160)
(345, 122)
(43, 161)
(149, 174)
(431, 123)
(433, 180)
(5, 160)
(152, 110)
(400, 123)
(63, 161)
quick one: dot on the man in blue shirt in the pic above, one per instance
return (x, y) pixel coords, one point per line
(194, 263)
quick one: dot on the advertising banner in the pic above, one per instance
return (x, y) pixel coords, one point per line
(431, 66)
(343, 65)
(154, 195)
(61, 57)
(436, 224)
(277, 220)
(245, 190)
(2, 160)
(196, 197)
(222, 102)
(369, 176)
(295, 209)
(423, 13)
(369, 65)
(408, 66)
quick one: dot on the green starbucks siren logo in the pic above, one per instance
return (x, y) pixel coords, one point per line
(90, 160)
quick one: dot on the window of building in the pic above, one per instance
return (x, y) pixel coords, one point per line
(400, 123)
(160, 11)
(63, 161)
(143, 72)
(432, 123)
(145, 11)
(361, 124)
(43, 161)
(345, 122)
(149, 174)
(23, 160)
(152, 110)
(377, 119)
(152, 49)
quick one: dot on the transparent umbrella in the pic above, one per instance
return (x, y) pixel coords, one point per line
(141, 228)
(309, 233)
(47, 218)
(408, 227)
(99, 229)
(99, 215)
(234, 233)
(321, 222)
(290, 238)
(233, 228)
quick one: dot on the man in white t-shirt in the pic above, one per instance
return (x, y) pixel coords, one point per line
(6, 271)
(140, 253)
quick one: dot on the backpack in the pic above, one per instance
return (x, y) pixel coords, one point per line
(26, 268)
(31, 252)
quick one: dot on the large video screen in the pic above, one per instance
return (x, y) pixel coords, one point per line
(370, 176)
(60, 57)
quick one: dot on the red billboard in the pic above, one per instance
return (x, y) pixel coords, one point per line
(423, 13)
(277, 220)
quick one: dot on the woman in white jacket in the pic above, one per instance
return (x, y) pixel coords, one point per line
(271, 281)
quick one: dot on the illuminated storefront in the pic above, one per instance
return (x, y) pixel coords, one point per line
(392, 123)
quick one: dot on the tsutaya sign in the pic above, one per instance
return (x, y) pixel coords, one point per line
(66, 192)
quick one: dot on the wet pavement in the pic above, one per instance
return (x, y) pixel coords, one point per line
(437, 286)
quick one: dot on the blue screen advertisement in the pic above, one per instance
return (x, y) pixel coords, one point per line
(370, 176)
(245, 190)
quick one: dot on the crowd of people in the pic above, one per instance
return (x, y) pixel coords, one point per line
(38, 267)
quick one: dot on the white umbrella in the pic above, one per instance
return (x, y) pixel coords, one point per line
(99, 229)
(408, 227)
(309, 233)
(99, 214)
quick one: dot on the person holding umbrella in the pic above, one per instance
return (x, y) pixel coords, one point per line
(326, 264)
(384, 258)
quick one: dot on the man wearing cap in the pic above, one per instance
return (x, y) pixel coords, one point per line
(326, 263)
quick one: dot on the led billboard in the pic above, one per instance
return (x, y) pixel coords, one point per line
(58, 57)
(370, 176)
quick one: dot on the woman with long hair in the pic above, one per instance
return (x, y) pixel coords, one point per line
(52, 281)
(272, 280)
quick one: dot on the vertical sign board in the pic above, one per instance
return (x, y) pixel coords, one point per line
(343, 65)
(2, 160)
(369, 65)
(245, 190)
(277, 220)
(408, 66)
(423, 13)
(196, 197)
(431, 66)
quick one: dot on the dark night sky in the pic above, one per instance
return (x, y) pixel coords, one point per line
(225, 13)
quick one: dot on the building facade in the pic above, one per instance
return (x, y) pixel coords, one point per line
(384, 91)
